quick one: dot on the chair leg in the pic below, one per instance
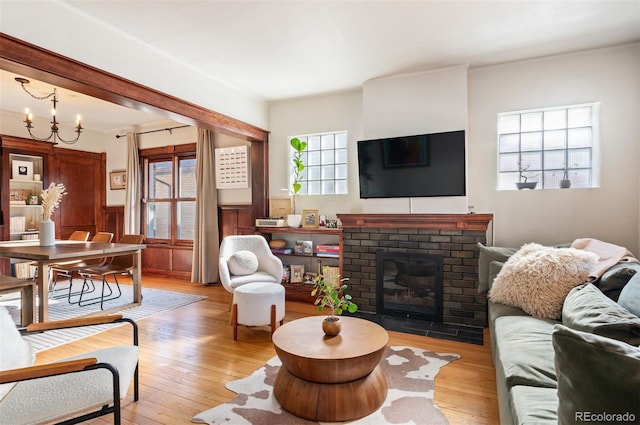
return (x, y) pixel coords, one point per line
(273, 318)
(234, 320)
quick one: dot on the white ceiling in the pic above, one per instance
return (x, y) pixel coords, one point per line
(283, 49)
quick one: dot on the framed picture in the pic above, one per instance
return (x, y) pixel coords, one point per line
(118, 180)
(33, 199)
(297, 273)
(22, 170)
(309, 277)
(304, 247)
(309, 218)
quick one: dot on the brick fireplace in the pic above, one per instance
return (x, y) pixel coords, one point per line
(452, 236)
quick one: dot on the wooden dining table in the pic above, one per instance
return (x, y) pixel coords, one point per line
(65, 251)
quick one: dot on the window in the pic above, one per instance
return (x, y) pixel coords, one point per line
(325, 162)
(547, 146)
(170, 198)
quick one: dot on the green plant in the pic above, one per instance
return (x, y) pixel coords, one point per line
(298, 167)
(330, 293)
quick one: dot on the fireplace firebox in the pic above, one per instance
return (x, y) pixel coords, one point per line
(409, 284)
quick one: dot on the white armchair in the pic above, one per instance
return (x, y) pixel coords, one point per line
(236, 269)
(76, 388)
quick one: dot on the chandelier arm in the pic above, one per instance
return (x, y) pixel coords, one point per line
(68, 142)
(37, 138)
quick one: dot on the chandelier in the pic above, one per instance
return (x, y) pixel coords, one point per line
(55, 135)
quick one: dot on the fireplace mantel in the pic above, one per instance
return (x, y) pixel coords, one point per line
(417, 221)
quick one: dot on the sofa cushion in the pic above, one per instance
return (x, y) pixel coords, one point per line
(597, 376)
(534, 405)
(487, 255)
(525, 351)
(243, 263)
(614, 279)
(630, 295)
(538, 278)
(496, 310)
(589, 310)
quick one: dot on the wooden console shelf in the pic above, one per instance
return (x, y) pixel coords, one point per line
(300, 291)
(304, 230)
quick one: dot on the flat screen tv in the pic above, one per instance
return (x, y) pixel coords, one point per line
(413, 166)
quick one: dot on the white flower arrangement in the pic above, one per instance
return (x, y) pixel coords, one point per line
(51, 197)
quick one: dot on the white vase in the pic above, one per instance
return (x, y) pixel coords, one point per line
(294, 220)
(47, 233)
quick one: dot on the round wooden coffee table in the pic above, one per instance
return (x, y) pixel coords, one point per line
(330, 379)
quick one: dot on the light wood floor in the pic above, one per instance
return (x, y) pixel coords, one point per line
(188, 354)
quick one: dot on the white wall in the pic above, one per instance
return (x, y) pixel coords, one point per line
(317, 114)
(425, 102)
(432, 101)
(60, 28)
(610, 212)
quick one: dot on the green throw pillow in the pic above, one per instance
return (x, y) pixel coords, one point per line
(487, 255)
(630, 295)
(614, 279)
(589, 310)
(598, 378)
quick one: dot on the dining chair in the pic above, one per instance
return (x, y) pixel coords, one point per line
(114, 266)
(68, 269)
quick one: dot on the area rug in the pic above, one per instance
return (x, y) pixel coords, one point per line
(410, 374)
(153, 301)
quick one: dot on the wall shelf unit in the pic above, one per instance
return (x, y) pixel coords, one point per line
(312, 262)
(25, 210)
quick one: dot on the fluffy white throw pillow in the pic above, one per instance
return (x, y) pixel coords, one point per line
(15, 351)
(537, 278)
(243, 263)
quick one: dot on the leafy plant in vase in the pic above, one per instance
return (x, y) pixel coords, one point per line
(330, 292)
(294, 220)
(51, 198)
(523, 183)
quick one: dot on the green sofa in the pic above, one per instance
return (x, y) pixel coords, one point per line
(580, 369)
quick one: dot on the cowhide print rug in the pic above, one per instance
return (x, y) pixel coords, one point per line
(410, 374)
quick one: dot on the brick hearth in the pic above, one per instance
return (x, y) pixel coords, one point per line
(453, 236)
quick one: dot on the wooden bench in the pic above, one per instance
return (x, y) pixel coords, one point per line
(27, 298)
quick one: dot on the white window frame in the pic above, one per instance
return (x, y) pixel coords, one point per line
(538, 158)
(326, 164)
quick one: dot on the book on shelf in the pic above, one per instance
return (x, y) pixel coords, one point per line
(24, 270)
(281, 250)
(304, 247)
(328, 254)
(328, 248)
(331, 273)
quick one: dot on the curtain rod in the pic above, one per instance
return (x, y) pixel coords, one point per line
(154, 131)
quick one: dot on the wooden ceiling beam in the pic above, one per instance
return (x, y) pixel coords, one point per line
(26, 59)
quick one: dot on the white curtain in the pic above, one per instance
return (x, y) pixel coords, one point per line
(133, 189)
(205, 242)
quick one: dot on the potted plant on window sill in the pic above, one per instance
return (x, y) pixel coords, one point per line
(330, 292)
(294, 220)
(565, 182)
(523, 183)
